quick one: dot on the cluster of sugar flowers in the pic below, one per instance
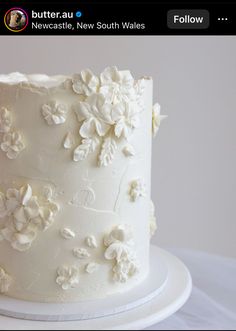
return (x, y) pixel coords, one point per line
(23, 215)
(119, 248)
(108, 111)
(11, 142)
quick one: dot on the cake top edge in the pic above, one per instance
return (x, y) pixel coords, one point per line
(47, 81)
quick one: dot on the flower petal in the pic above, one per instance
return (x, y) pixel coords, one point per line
(101, 128)
(82, 111)
(88, 128)
(25, 194)
(109, 75)
(118, 112)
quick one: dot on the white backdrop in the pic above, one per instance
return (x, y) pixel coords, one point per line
(194, 156)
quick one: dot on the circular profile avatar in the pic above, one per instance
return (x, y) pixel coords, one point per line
(16, 19)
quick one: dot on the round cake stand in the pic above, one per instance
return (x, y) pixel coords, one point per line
(166, 291)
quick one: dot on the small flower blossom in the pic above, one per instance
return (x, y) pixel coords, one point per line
(54, 113)
(12, 144)
(67, 277)
(117, 86)
(24, 215)
(119, 248)
(85, 83)
(137, 190)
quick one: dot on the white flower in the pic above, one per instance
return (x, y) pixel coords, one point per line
(95, 115)
(24, 216)
(125, 118)
(126, 268)
(12, 144)
(137, 190)
(54, 113)
(20, 240)
(22, 205)
(119, 248)
(5, 281)
(157, 118)
(67, 277)
(5, 120)
(85, 83)
(116, 85)
(22, 208)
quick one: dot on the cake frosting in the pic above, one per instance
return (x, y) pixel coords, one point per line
(75, 183)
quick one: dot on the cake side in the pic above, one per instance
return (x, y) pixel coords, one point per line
(75, 180)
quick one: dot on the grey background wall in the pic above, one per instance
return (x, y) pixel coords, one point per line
(194, 155)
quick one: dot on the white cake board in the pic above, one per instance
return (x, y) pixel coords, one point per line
(166, 291)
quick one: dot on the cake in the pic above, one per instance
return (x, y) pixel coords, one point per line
(76, 215)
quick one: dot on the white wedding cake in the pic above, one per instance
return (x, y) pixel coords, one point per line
(75, 175)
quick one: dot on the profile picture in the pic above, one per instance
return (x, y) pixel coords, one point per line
(16, 19)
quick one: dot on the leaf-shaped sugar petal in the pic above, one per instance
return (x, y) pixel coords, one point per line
(68, 141)
(107, 154)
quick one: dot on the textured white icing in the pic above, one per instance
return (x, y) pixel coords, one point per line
(93, 201)
(12, 144)
(5, 281)
(84, 198)
(37, 80)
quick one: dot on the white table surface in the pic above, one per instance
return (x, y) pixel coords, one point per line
(212, 305)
